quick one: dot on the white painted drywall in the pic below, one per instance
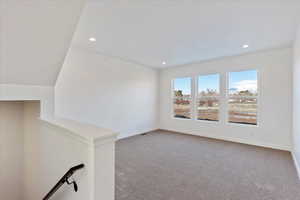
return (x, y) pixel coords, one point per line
(35, 154)
(184, 31)
(107, 92)
(49, 153)
(11, 150)
(44, 94)
(34, 40)
(52, 146)
(275, 107)
(296, 100)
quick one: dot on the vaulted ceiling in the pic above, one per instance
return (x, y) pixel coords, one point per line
(179, 32)
(34, 38)
(35, 35)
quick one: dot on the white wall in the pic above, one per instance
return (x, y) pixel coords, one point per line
(35, 154)
(44, 94)
(49, 153)
(275, 108)
(107, 92)
(26, 57)
(11, 150)
(296, 100)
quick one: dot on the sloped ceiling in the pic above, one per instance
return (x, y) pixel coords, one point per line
(35, 34)
(34, 38)
(183, 31)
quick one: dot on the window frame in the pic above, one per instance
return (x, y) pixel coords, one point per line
(191, 99)
(197, 97)
(227, 97)
(223, 97)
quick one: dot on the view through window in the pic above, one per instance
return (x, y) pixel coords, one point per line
(182, 98)
(242, 97)
(208, 97)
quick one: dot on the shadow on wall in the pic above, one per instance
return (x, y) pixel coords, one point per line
(12, 145)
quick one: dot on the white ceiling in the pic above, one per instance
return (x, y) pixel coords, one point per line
(179, 32)
(34, 38)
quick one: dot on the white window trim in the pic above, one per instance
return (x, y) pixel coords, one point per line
(223, 98)
(227, 97)
(172, 99)
(197, 97)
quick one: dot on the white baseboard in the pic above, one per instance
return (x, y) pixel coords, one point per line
(238, 140)
(297, 164)
(136, 133)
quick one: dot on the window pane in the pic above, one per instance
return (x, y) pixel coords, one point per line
(182, 87)
(209, 85)
(208, 109)
(243, 83)
(243, 110)
(182, 108)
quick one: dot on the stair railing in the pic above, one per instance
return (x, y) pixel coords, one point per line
(65, 179)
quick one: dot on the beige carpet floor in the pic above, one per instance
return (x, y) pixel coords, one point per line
(169, 166)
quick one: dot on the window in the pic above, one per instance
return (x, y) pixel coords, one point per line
(242, 97)
(182, 98)
(202, 101)
(208, 100)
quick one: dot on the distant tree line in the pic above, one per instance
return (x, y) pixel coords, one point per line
(212, 100)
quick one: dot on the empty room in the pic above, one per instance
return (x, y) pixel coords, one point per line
(150, 100)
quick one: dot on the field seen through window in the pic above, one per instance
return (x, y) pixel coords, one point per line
(241, 98)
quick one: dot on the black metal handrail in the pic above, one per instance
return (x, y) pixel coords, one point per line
(65, 179)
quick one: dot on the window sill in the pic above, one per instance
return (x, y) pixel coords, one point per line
(242, 125)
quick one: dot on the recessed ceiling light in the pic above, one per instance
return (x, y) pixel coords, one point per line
(164, 63)
(92, 39)
(245, 46)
